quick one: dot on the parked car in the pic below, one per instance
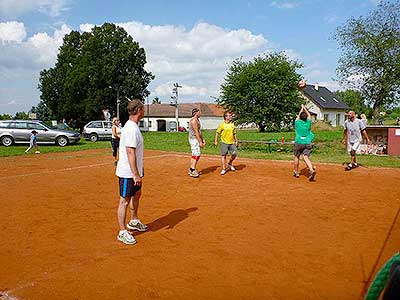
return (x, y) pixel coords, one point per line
(19, 132)
(96, 130)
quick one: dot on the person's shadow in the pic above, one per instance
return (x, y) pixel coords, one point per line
(169, 221)
(208, 170)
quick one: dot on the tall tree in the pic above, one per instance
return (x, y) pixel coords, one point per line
(356, 101)
(91, 70)
(370, 59)
(263, 91)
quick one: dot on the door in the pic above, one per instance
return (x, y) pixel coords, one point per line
(107, 131)
(20, 131)
(161, 125)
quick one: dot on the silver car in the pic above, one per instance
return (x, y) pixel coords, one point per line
(96, 130)
(19, 132)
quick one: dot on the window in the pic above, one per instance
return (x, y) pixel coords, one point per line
(337, 119)
(323, 99)
(141, 123)
(334, 99)
(107, 125)
(326, 117)
(4, 124)
(149, 123)
(35, 126)
(172, 126)
(96, 125)
(21, 125)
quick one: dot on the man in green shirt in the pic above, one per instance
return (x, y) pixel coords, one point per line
(304, 138)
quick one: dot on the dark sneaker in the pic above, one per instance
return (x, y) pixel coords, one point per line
(137, 225)
(312, 175)
(349, 166)
(296, 174)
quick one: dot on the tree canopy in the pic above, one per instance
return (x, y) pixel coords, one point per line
(91, 69)
(263, 91)
(370, 59)
(356, 101)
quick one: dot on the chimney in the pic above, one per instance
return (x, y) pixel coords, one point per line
(316, 86)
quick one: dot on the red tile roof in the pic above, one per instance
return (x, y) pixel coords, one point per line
(185, 110)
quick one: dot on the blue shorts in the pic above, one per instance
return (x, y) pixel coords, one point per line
(127, 187)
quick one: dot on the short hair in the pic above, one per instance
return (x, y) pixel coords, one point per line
(194, 111)
(134, 106)
(34, 132)
(225, 114)
(303, 116)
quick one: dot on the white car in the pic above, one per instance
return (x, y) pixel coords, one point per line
(96, 130)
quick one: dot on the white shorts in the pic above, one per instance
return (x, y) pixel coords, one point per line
(195, 146)
(353, 146)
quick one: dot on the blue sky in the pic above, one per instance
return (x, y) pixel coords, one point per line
(190, 42)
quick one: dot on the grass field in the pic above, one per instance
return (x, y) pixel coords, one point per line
(328, 147)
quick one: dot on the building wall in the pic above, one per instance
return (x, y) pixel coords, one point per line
(206, 123)
(329, 115)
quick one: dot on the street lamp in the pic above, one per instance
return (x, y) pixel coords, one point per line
(175, 103)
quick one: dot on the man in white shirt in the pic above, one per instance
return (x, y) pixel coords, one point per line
(130, 172)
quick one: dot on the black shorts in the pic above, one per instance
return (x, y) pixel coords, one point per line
(127, 187)
(304, 149)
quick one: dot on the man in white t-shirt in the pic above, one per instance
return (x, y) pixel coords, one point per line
(130, 172)
(354, 130)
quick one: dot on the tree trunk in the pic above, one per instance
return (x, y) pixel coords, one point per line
(261, 127)
(377, 108)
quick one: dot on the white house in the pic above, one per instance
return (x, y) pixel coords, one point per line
(161, 117)
(324, 105)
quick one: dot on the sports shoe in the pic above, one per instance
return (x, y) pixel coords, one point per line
(223, 172)
(311, 177)
(137, 225)
(125, 237)
(37, 152)
(350, 166)
(296, 174)
(194, 173)
(232, 168)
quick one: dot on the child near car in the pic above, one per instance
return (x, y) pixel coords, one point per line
(33, 142)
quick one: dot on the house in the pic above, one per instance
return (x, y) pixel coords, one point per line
(161, 117)
(324, 105)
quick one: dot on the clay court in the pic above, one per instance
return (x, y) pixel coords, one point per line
(256, 233)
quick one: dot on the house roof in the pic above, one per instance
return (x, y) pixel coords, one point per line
(323, 97)
(185, 110)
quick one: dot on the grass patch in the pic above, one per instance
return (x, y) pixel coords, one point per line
(327, 147)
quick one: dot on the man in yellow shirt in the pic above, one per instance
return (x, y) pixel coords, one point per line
(229, 142)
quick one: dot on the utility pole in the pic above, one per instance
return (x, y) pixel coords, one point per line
(118, 102)
(174, 102)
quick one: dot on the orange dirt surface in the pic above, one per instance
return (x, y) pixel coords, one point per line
(256, 233)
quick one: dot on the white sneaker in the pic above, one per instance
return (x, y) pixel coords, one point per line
(231, 167)
(125, 237)
(37, 152)
(137, 225)
(223, 172)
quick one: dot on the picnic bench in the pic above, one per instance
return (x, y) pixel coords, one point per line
(269, 143)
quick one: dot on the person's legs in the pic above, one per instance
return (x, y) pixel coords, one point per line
(308, 163)
(223, 161)
(296, 164)
(135, 223)
(123, 203)
(29, 148)
(195, 147)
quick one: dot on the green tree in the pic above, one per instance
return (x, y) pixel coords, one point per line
(156, 100)
(370, 59)
(263, 91)
(21, 115)
(356, 101)
(5, 117)
(41, 110)
(91, 69)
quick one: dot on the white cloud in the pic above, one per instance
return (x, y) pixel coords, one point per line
(292, 54)
(86, 27)
(187, 90)
(330, 19)
(284, 4)
(12, 32)
(14, 8)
